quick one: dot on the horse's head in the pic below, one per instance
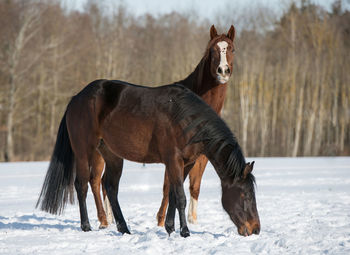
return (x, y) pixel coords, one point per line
(221, 50)
(238, 200)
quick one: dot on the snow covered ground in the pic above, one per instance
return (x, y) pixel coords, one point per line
(304, 207)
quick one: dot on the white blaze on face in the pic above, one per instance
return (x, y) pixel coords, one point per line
(222, 77)
(223, 49)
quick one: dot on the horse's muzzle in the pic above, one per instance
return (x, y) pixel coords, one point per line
(249, 228)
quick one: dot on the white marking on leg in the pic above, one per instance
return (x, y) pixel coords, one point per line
(192, 210)
(109, 211)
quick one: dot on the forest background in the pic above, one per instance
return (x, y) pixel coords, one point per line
(288, 96)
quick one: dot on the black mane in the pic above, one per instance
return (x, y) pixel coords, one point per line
(220, 145)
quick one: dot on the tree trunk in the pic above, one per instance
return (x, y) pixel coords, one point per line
(9, 152)
(299, 122)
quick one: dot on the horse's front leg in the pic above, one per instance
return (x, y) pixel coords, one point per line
(165, 201)
(181, 205)
(170, 216)
(177, 198)
(195, 175)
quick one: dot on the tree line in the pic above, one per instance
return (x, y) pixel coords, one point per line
(288, 96)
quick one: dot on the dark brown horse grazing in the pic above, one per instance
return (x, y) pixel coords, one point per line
(209, 81)
(169, 125)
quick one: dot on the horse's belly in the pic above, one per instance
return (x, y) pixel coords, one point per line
(131, 140)
(135, 153)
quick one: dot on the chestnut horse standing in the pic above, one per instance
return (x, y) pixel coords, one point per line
(167, 124)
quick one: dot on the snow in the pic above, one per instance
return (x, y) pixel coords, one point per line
(303, 203)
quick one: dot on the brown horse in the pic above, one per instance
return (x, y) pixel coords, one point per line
(209, 81)
(169, 125)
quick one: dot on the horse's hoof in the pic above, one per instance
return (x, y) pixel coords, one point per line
(103, 226)
(123, 229)
(103, 222)
(126, 232)
(86, 227)
(169, 229)
(160, 220)
(185, 232)
(191, 220)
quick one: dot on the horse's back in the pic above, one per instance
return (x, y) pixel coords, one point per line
(105, 95)
(134, 121)
(138, 123)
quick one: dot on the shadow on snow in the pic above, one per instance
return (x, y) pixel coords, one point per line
(31, 222)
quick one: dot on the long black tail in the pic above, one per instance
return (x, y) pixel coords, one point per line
(58, 186)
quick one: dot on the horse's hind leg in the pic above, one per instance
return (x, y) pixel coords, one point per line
(113, 172)
(83, 134)
(97, 165)
(195, 176)
(165, 200)
(81, 186)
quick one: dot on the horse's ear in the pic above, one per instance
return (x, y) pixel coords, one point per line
(231, 33)
(213, 32)
(248, 169)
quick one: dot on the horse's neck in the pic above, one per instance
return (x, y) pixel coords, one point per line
(228, 162)
(203, 84)
(217, 164)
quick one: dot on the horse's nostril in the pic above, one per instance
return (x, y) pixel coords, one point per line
(227, 71)
(219, 70)
(256, 231)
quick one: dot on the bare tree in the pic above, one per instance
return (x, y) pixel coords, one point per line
(28, 23)
(288, 96)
